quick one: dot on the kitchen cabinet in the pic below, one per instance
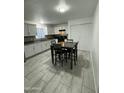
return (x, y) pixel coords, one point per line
(41, 45)
(46, 45)
(36, 47)
(29, 50)
(32, 29)
(26, 30)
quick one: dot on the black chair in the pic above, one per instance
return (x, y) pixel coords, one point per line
(58, 53)
(75, 52)
(53, 42)
(69, 40)
(68, 50)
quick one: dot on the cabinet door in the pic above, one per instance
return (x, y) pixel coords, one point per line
(41, 46)
(29, 50)
(25, 30)
(32, 29)
(37, 48)
(48, 44)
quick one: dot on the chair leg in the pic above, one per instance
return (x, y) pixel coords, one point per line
(55, 58)
(62, 58)
(62, 63)
(74, 60)
(76, 55)
(66, 57)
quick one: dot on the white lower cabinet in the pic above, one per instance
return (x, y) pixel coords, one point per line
(41, 45)
(44, 45)
(48, 44)
(29, 50)
(36, 48)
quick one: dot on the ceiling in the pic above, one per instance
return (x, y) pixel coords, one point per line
(37, 10)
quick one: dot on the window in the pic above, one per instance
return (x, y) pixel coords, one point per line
(41, 31)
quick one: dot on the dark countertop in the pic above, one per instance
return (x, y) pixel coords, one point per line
(36, 41)
(31, 39)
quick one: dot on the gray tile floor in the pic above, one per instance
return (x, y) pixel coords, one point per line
(40, 76)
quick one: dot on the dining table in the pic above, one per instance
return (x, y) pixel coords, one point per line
(65, 45)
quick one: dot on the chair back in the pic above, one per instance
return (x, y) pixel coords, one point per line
(57, 46)
(69, 40)
(53, 42)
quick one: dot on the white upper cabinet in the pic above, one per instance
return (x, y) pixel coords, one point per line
(26, 30)
(29, 29)
(32, 29)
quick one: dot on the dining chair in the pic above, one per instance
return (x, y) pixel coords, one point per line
(59, 54)
(75, 52)
(68, 50)
(69, 40)
(53, 42)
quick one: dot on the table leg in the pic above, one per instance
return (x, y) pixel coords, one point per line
(52, 55)
(71, 59)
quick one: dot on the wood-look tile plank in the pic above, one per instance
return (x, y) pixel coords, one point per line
(76, 84)
(35, 79)
(38, 87)
(48, 75)
(37, 71)
(53, 84)
(26, 84)
(87, 90)
(66, 79)
(62, 89)
(29, 69)
(88, 80)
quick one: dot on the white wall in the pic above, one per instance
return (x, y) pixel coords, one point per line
(81, 30)
(87, 31)
(95, 47)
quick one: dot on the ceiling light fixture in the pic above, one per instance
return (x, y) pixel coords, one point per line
(62, 10)
(62, 7)
(42, 22)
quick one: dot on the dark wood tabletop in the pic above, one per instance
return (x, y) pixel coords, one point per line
(67, 44)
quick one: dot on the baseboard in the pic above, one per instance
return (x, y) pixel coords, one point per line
(91, 60)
